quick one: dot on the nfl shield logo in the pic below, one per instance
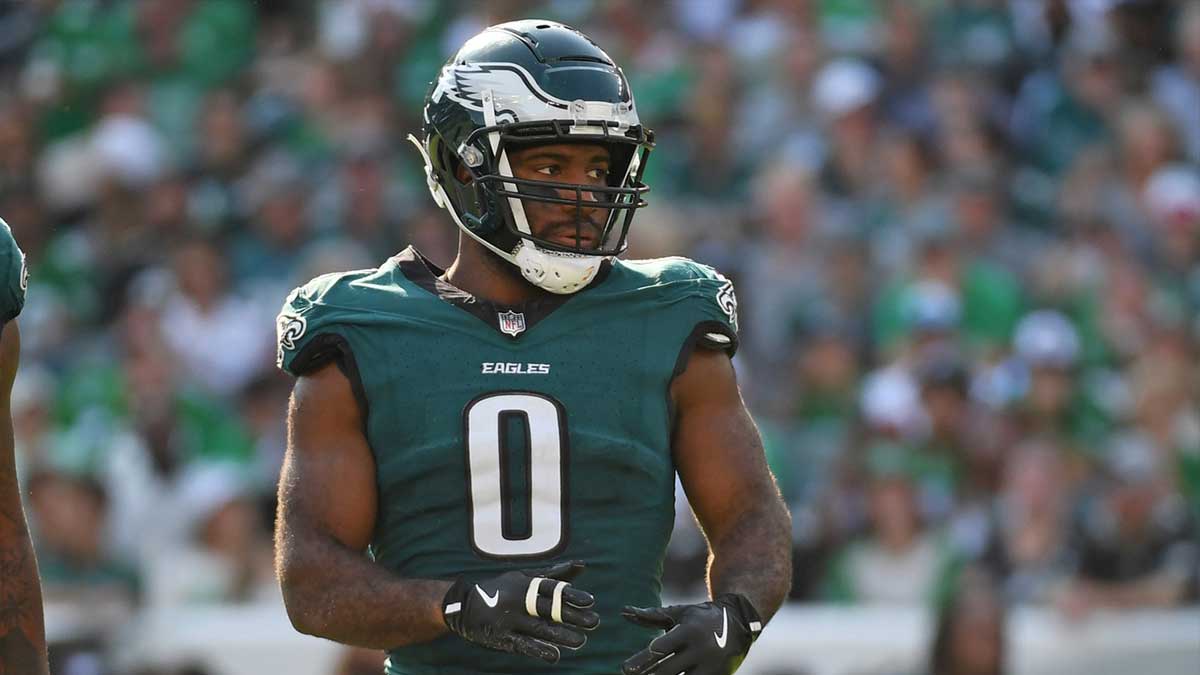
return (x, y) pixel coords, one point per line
(512, 323)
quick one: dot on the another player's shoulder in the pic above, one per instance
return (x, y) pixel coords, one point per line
(14, 275)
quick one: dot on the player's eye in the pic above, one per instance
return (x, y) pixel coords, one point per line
(598, 174)
(548, 170)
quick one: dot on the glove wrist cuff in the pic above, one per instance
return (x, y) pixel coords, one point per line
(454, 605)
(741, 606)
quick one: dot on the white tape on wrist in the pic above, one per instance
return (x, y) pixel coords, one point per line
(556, 606)
(531, 596)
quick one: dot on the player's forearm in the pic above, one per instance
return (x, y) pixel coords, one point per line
(753, 557)
(22, 632)
(338, 594)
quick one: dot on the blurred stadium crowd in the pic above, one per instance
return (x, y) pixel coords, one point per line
(965, 236)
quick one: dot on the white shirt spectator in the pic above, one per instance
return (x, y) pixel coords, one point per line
(222, 348)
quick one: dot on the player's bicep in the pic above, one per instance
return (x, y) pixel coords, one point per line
(10, 355)
(327, 484)
(716, 446)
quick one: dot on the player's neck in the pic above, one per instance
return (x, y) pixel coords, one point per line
(483, 275)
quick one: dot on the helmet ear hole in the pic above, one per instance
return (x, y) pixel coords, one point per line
(461, 174)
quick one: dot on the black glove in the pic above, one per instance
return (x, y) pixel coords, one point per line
(530, 612)
(710, 638)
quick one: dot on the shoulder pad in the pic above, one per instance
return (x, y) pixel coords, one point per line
(707, 293)
(326, 305)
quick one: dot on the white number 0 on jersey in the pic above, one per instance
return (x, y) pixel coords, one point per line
(546, 425)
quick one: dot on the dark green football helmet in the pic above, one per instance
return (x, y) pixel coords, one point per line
(526, 83)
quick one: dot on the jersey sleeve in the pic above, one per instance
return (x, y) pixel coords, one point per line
(311, 330)
(14, 273)
(712, 308)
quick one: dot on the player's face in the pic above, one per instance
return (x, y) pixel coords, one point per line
(581, 164)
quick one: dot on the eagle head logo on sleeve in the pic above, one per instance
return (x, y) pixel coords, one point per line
(289, 328)
(727, 301)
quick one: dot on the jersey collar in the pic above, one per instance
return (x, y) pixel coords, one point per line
(424, 273)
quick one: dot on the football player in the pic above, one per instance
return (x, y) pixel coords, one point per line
(22, 633)
(502, 437)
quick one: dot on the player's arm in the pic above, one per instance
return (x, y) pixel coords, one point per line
(327, 508)
(22, 632)
(721, 464)
(723, 468)
(327, 502)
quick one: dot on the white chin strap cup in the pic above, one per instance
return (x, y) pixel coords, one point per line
(556, 272)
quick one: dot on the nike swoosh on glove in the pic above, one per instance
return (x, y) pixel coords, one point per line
(529, 612)
(710, 638)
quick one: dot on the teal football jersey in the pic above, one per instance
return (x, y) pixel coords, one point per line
(14, 276)
(517, 437)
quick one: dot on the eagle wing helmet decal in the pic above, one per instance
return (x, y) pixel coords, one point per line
(515, 95)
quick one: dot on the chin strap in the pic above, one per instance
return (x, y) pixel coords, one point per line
(555, 272)
(435, 187)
